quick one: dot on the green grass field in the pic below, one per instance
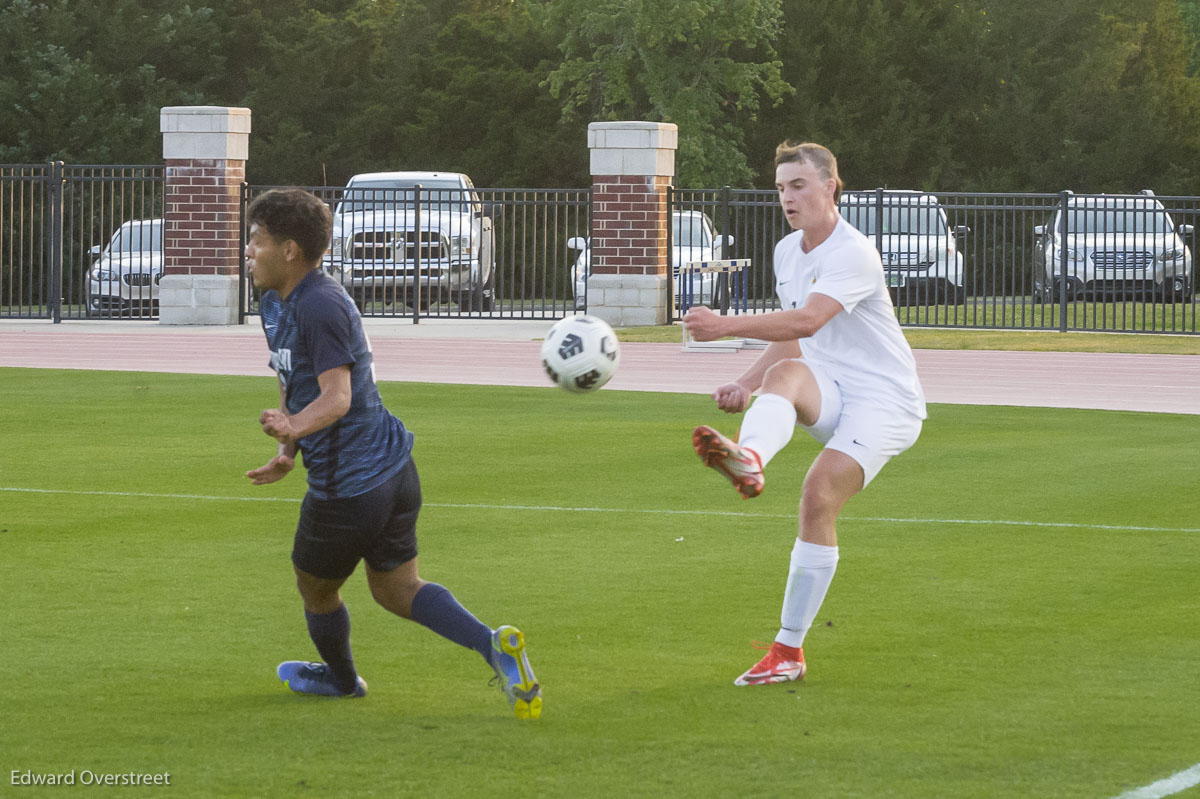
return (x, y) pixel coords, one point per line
(1014, 613)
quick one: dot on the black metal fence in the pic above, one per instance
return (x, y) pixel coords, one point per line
(433, 251)
(80, 241)
(1118, 263)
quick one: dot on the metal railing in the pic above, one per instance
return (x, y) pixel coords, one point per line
(991, 261)
(424, 252)
(76, 241)
(80, 241)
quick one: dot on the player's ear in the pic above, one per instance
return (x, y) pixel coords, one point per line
(292, 251)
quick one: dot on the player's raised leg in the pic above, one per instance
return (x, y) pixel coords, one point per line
(790, 394)
(403, 592)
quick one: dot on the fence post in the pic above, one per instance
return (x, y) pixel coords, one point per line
(673, 285)
(723, 278)
(416, 284)
(244, 287)
(54, 239)
(1062, 262)
(879, 220)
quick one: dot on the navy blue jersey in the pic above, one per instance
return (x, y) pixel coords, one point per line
(317, 328)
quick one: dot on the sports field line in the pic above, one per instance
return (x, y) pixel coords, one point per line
(653, 511)
(1166, 787)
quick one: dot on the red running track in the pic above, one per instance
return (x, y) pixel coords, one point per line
(1159, 383)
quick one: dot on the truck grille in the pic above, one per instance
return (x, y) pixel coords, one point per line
(903, 262)
(396, 245)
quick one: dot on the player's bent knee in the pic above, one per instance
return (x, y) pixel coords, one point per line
(791, 379)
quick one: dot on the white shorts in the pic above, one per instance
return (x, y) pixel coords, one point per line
(869, 434)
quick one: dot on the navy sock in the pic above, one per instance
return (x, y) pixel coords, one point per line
(331, 633)
(436, 608)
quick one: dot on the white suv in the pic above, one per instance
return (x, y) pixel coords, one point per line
(918, 248)
(1113, 246)
(693, 238)
(391, 237)
(125, 275)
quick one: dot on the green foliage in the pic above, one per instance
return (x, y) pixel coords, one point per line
(481, 92)
(1191, 20)
(993, 95)
(1117, 115)
(84, 82)
(700, 64)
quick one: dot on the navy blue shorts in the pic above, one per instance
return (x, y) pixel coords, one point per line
(379, 527)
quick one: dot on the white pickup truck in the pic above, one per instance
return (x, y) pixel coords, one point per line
(396, 231)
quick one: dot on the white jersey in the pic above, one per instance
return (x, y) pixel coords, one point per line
(861, 346)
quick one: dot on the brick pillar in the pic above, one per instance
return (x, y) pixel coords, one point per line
(205, 149)
(632, 165)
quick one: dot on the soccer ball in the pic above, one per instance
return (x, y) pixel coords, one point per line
(580, 353)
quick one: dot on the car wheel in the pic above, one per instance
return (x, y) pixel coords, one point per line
(1042, 293)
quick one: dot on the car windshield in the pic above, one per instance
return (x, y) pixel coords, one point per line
(916, 219)
(1101, 220)
(137, 237)
(689, 231)
(400, 195)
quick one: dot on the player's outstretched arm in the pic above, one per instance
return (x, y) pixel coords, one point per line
(706, 324)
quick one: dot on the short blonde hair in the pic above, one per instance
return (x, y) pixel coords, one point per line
(817, 155)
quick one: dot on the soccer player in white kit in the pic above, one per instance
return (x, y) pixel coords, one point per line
(837, 365)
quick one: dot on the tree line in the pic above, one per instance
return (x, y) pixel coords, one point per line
(950, 95)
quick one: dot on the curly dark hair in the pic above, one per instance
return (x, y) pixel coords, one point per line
(297, 215)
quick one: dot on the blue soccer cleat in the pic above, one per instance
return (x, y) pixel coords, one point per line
(514, 673)
(315, 679)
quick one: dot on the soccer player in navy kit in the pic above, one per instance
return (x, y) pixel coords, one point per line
(363, 490)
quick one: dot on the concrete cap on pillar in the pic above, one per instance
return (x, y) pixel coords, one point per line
(205, 132)
(633, 148)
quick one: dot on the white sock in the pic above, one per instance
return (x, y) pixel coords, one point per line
(809, 576)
(768, 426)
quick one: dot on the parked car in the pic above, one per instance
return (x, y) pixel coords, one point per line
(1113, 246)
(391, 237)
(693, 238)
(125, 274)
(918, 248)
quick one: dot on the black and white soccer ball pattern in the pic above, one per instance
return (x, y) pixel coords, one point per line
(580, 353)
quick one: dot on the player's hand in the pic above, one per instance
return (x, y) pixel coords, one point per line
(278, 425)
(732, 397)
(704, 323)
(276, 469)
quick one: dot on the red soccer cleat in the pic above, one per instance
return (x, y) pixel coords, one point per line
(780, 664)
(741, 465)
